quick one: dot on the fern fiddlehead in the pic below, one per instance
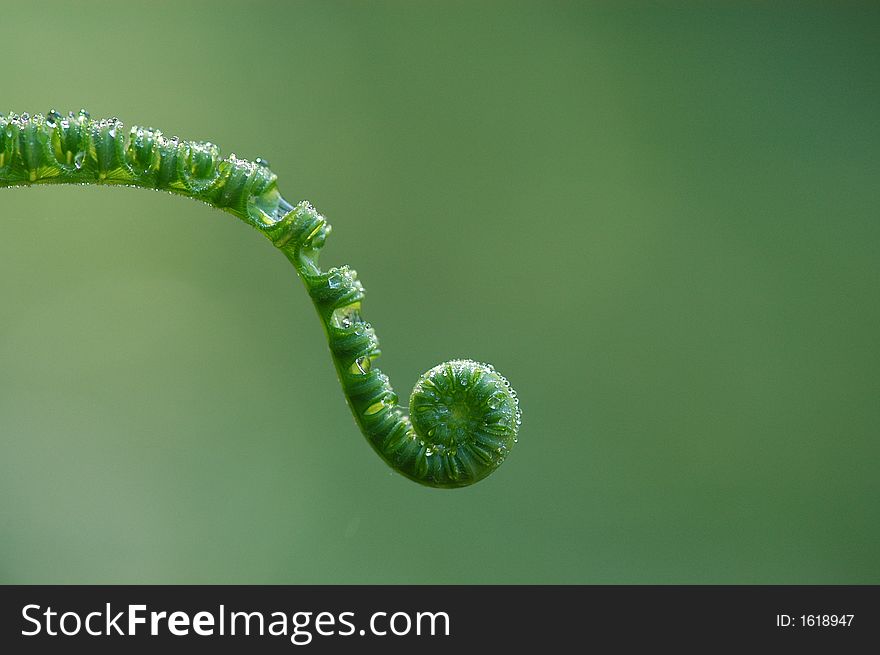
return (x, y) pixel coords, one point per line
(464, 416)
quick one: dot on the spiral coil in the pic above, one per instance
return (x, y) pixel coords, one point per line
(464, 417)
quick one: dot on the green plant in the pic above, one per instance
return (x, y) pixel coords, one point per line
(464, 416)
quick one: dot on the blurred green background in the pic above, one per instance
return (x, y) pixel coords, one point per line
(659, 220)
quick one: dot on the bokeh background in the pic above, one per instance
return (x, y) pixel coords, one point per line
(659, 220)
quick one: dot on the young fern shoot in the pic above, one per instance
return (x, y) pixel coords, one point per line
(464, 416)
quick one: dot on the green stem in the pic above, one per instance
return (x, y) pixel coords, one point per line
(464, 416)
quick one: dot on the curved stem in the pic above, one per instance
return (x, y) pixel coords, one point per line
(465, 416)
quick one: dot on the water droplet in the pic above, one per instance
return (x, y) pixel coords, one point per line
(259, 161)
(428, 452)
(78, 158)
(85, 114)
(345, 317)
(52, 118)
